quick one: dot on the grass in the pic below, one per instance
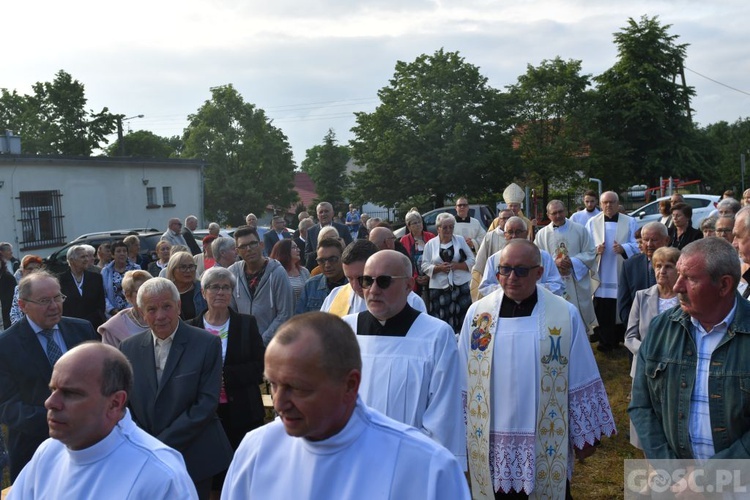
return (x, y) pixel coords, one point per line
(601, 475)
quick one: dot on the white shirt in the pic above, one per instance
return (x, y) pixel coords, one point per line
(373, 457)
(413, 379)
(127, 464)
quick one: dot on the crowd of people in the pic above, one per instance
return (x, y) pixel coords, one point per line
(379, 353)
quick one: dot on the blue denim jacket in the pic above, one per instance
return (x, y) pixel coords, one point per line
(664, 379)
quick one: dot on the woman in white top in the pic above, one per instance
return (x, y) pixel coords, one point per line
(448, 260)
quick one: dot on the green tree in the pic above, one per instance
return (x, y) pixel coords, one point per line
(250, 163)
(644, 107)
(146, 144)
(722, 144)
(437, 132)
(550, 103)
(53, 120)
(326, 165)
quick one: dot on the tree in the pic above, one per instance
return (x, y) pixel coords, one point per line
(437, 132)
(326, 165)
(53, 120)
(146, 144)
(644, 106)
(250, 163)
(723, 144)
(550, 102)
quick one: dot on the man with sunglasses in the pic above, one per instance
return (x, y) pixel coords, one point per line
(409, 358)
(28, 350)
(173, 234)
(492, 242)
(318, 287)
(530, 384)
(516, 228)
(350, 298)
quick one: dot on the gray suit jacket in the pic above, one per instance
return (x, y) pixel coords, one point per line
(645, 308)
(180, 410)
(25, 372)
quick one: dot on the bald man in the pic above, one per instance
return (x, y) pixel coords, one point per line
(410, 359)
(92, 435)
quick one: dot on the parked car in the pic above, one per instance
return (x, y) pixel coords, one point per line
(702, 204)
(483, 213)
(57, 262)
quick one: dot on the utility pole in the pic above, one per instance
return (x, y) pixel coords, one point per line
(120, 119)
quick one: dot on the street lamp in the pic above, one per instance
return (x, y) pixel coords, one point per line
(120, 119)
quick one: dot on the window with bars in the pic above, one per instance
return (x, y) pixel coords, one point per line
(41, 219)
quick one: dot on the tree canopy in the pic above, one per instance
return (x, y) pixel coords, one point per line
(54, 119)
(326, 165)
(249, 160)
(438, 131)
(146, 144)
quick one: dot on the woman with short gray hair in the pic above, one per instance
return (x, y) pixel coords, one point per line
(240, 403)
(448, 260)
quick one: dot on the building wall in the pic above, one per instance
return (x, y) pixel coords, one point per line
(96, 195)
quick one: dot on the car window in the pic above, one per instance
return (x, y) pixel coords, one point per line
(650, 209)
(697, 202)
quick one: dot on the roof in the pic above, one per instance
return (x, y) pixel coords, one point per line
(305, 188)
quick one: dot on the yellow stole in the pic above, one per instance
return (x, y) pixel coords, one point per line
(340, 304)
(551, 449)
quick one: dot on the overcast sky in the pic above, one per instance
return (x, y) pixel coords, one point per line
(311, 64)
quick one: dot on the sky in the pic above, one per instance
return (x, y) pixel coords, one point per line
(311, 64)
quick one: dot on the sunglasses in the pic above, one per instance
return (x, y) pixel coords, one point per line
(383, 281)
(252, 244)
(325, 260)
(520, 271)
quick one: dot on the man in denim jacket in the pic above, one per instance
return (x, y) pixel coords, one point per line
(691, 388)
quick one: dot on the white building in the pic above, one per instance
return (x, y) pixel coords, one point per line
(48, 201)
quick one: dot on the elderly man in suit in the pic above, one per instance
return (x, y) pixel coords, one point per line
(177, 382)
(84, 290)
(28, 350)
(277, 233)
(325, 218)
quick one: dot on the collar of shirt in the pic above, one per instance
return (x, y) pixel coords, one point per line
(720, 327)
(509, 308)
(38, 328)
(612, 219)
(170, 338)
(746, 276)
(395, 326)
(561, 225)
(466, 219)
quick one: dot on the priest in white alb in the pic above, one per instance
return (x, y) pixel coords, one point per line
(349, 298)
(533, 396)
(409, 359)
(574, 256)
(325, 442)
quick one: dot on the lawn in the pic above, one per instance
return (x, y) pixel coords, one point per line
(601, 475)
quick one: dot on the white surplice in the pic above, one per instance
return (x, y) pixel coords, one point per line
(515, 388)
(127, 464)
(372, 457)
(573, 239)
(413, 379)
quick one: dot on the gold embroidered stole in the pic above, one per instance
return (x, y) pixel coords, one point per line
(551, 448)
(340, 304)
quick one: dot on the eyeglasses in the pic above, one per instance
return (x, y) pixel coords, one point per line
(252, 244)
(328, 260)
(723, 230)
(520, 271)
(383, 281)
(219, 288)
(186, 268)
(517, 232)
(45, 302)
(462, 204)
